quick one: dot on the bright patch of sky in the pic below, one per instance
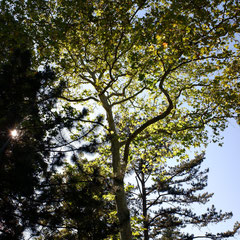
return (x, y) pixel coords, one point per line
(223, 179)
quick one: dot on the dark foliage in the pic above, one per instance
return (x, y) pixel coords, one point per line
(81, 210)
(27, 103)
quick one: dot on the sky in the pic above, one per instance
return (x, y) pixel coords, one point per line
(224, 177)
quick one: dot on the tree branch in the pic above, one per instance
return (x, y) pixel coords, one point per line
(150, 121)
(79, 99)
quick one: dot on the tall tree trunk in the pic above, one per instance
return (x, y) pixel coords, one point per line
(120, 195)
(118, 181)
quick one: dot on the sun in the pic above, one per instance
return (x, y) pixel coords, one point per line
(14, 133)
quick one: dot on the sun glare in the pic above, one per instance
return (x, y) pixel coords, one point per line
(14, 133)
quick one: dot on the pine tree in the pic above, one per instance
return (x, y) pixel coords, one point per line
(167, 196)
(30, 127)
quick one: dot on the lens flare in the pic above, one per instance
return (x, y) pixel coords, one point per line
(14, 133)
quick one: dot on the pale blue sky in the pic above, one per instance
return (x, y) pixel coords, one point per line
(224, 177)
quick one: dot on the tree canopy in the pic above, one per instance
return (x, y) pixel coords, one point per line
(157, 71)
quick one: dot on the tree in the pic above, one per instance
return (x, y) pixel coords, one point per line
(22, 161)
(165, 199)
(155, 69)
(30, 129)
(81, 205)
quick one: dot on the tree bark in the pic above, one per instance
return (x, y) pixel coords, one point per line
(118, 180)
(120, 195)
(122, 210)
